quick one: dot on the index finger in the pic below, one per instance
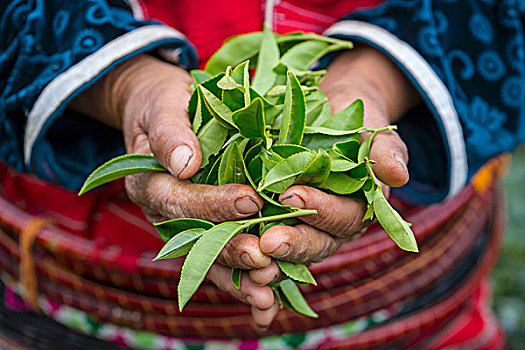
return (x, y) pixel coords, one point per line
(166, 196)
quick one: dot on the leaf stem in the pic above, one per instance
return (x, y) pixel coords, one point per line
(388, 128)
(368, 164)
(293, 214)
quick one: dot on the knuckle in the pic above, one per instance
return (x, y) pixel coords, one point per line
(301, 243)
(318, 247)
(173, 209)
(220, 202)
(166, 195)
(329, 218)
(353, 225)
(134, 186)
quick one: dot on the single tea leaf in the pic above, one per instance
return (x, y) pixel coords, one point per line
(302, 56)
(170, 228)
(180, 244)
(316, 112)
(348, 149)
(121, 166)
(211, 85)
(200, 75)
(234, 51)
(294, 113)
(341, 183)
(369, 213)
(217, 108)
(211, 177)
(364, 149)
(227, 83)
(350, 118)
(231, 168)
(246, 83)
(283, 174)
(198, 117)
(317, 171)
(328, 131)
(250, 120)
(297, 272)
(201, 257)
(236, 278)
(211, 138)
(397, 228)
(295, 299)
(271, 111)
(237, 98)
(286, 151)
(268, 58)
(339, 163)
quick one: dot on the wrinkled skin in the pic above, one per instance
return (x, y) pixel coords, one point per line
(147, 99)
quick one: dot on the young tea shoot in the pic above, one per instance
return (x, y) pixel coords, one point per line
(272, 132)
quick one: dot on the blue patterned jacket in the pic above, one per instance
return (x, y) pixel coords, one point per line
(466, 58)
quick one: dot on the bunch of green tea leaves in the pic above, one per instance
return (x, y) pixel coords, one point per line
(270, 132)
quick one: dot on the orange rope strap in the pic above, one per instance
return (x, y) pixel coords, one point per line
(28, 276)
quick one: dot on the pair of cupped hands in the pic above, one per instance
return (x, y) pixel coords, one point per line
(148, 98)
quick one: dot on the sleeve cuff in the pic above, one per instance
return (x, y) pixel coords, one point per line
(61, 90)
(432, 89)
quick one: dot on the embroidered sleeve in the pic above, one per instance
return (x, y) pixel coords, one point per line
(50, 51)
(466, 58)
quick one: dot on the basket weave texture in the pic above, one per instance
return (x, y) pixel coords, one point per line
(363, 276)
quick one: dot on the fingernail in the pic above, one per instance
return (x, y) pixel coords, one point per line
(249, 300)
(282, 250)
(247, 260)
(246, 205)
(180, 158)
(400, 160)
(293, 201)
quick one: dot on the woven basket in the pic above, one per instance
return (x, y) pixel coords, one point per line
(363, 276)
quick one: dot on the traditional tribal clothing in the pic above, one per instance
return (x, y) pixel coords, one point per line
(465, 58)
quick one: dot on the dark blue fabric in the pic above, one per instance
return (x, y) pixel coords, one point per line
(477, 50)
(39, 40)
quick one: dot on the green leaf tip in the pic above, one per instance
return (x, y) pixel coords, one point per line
(119, 167)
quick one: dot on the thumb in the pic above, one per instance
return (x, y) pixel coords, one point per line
(391, 156)
(388, 150)
(174, 144)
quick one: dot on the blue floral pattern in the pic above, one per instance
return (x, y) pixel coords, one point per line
(480, 28)
(490, 66)
(88, 40)
(513, 92)
(39, 40)
(477, 49)
(60, 22)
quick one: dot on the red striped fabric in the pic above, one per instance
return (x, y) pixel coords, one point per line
(208, 23)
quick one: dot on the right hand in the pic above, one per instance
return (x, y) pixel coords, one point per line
(148, 99)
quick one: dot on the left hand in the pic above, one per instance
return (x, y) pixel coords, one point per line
(367, 74)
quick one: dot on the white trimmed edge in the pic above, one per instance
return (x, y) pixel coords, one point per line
(60, 88)
(429, 82)
(268, 12)
(136, 9)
